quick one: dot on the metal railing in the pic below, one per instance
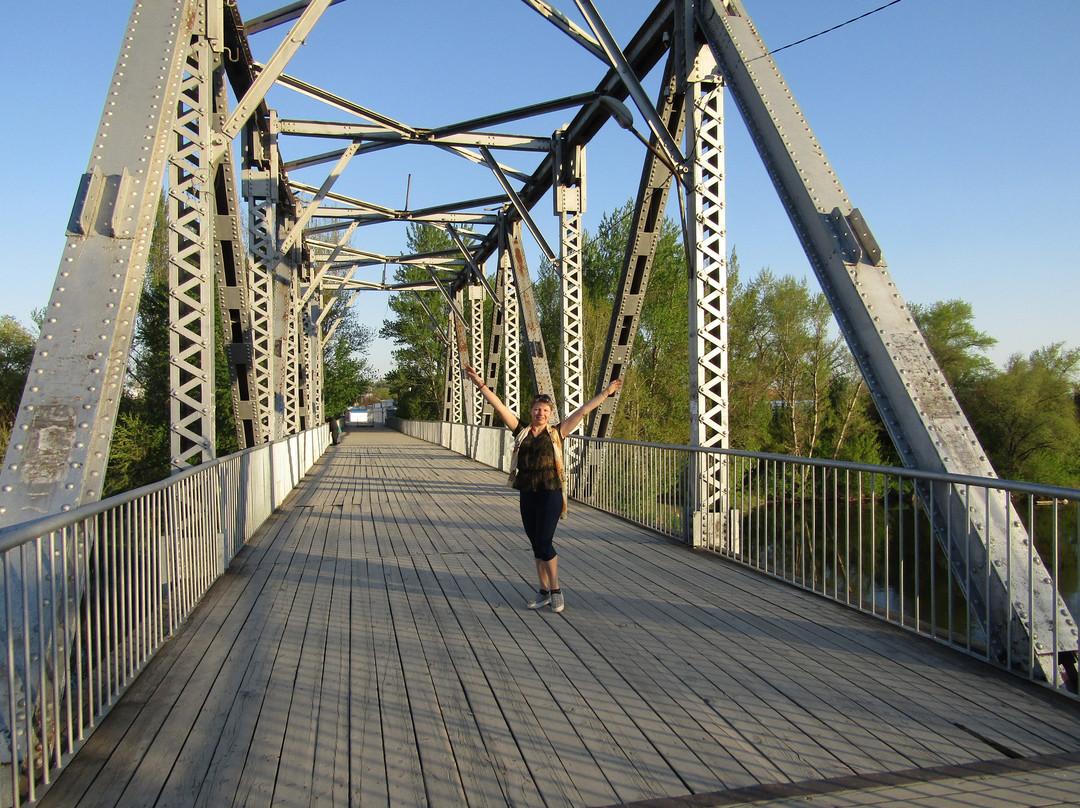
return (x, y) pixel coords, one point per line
(87, 597)
(870, 537)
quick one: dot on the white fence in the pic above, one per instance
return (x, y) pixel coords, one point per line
(87, 597)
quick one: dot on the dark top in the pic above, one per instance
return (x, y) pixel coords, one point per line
(536, 470)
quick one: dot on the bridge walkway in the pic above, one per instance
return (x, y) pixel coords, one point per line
(371, 646)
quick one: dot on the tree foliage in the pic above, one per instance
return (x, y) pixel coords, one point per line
(16, 353)
(1026, 416)
(793, 386)
(417, 378)
(347, 374)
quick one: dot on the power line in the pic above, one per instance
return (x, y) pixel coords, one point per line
(829, 30)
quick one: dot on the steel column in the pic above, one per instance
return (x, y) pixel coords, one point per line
(707, 248)
(191, 292)
(568, 194)
(512, 330)
(59, 447)
(645, 229)
(234, 295)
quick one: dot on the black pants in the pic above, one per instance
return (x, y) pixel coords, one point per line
(540, 512)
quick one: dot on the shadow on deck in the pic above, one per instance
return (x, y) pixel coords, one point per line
(371, 645)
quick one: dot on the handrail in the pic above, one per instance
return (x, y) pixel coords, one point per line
(87, 597)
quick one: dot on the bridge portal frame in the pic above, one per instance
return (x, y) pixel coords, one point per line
(58, 453)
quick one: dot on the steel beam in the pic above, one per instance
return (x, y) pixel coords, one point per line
(917, 406)
(646, 225)
(192, 437)
(234, 296)
(58, 451)
(530, 316)
(707, 247)
(569, 204)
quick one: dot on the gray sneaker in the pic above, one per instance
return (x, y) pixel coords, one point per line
(540, 602)
(557, 604)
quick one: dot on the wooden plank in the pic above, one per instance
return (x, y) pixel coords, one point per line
(887, 714)
(330, 777)
(404, 778)
(368, 784)
(508, 770)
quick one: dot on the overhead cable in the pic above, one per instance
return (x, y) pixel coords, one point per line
(829, 30)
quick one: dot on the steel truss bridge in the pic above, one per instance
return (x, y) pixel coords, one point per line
(187, 110)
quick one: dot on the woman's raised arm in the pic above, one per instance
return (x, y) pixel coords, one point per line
(574, 418)
(509, 418)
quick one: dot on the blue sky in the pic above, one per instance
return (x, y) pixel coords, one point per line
(952, 124)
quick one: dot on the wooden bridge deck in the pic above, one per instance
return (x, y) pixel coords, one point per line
(370, 646)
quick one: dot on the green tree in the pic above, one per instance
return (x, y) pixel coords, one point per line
(793, 385)
(417, 377)
(1026, 417)
(16, 353)
(139, 452)
(347, 374)
(139, 449)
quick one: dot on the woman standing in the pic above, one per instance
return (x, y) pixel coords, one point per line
(536, 471)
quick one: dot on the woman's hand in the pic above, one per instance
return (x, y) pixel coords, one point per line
(615, 385)
(470, 371)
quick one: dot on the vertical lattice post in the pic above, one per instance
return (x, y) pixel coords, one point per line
(476, 347)
(496, 342)
(261, 185)
(568, 193)
(708, 297)
(512, 333)
(191, 292)
(293, 383)
(453, 364)
(448, 384)
(313, 356)
(234, 295)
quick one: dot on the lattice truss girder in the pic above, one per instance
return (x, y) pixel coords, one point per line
(191, 308)
(512, 332)
(710, 266)
(571, 310)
